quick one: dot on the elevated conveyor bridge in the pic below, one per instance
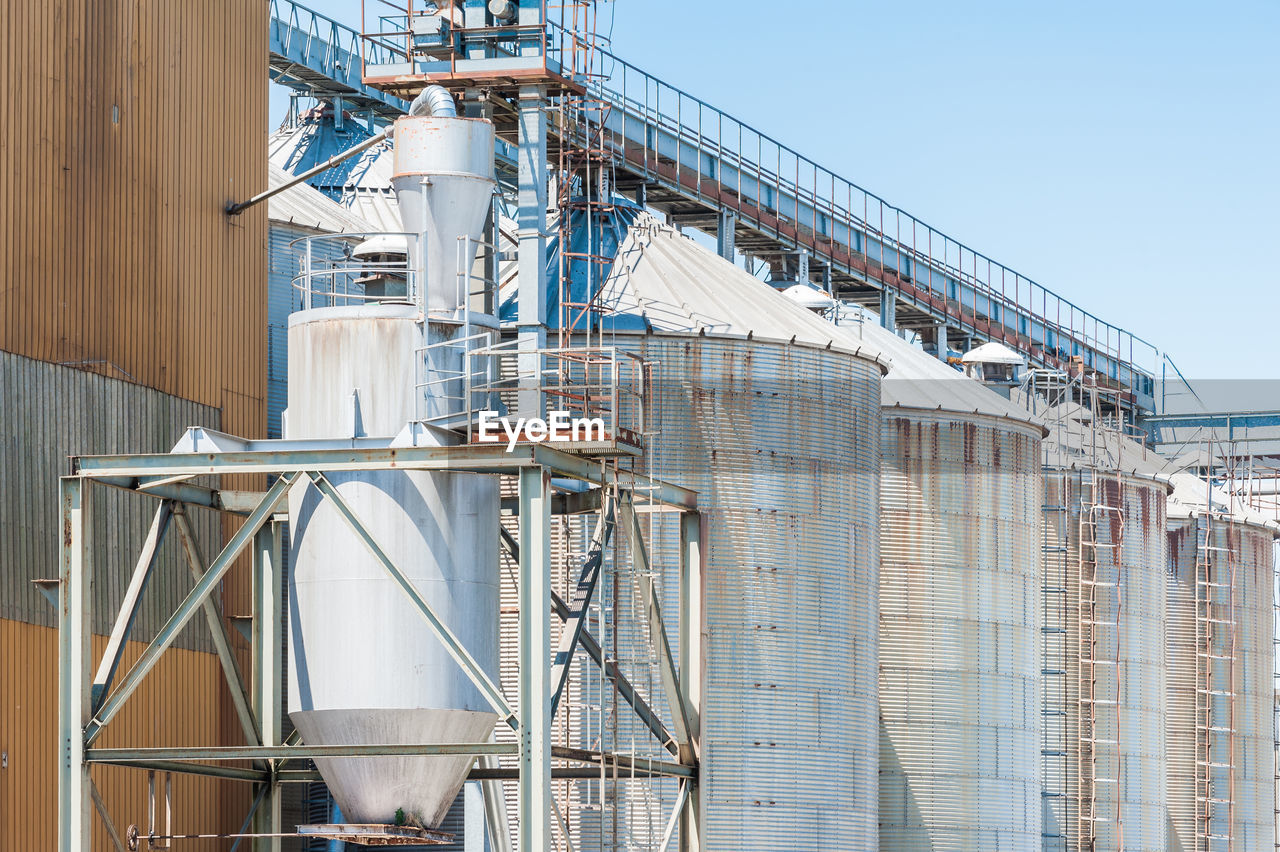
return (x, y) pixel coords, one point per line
(706, 169)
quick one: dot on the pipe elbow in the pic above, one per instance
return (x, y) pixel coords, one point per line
(434, 100)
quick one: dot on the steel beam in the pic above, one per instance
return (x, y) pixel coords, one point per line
(657, 629)
(531, 232)
(691, 662)
(188, 607)
(74, 672)
(888, 310)
(534, 659)
(726, 223)
(217, 629)
(269, 457)
(495, 806)
(268, 656)
(107, 823)
(129, 606)
(475, 673)
(691, 619)
(283, 752)
(226, 773)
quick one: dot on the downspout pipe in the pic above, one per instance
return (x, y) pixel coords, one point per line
(434, 100)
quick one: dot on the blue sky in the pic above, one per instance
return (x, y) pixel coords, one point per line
(1122, 154)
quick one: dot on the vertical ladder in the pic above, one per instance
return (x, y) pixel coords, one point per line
(1099, 676)
(1216, 641)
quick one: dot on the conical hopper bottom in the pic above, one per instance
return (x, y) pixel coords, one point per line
(372, 789)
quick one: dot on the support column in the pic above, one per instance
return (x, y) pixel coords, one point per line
(691, 662)
(535, 659)
(473, 817)
(725, 236)
(531, 221)
(74, 672)
(268, 668)
(940, 339)
(888, 310)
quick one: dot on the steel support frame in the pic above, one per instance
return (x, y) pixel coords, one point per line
(80, 721)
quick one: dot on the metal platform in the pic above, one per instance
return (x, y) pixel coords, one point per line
(364, 834)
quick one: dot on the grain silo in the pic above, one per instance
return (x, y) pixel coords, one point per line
(1221, 656)
(773, 416)
(960, 619)
(1104, 618)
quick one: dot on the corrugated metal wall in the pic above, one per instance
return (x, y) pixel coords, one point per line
(1135, 801)
(282, 300)
(129, 126)
(959, 634)
(49, 412)
(1248, 551)
(180, 703)
(46, 413)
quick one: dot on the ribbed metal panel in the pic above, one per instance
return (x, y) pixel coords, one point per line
(284, 262)
(782, 444)
(118, 163)
(959, 633)
(47, 413)
(1245, 778)
(1134, 754)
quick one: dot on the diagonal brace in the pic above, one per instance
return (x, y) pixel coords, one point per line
(681, 713)
(455, 648)
(579, 602)
(218, 630)
(187, 609)
(591, 645)
(130, 605)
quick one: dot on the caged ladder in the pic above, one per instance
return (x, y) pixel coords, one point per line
(1216, 651)
(1099, 675)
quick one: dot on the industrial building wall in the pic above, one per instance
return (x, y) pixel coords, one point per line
(48, 412)
(180, 703)
(129, 126)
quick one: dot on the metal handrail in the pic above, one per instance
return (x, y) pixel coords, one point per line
(312, 269)
(971, 287)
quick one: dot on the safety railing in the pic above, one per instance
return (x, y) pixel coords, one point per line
(749, 172)
(326, 46)
(663, 132)
(330, 275)
(595, 395)
(390, 36)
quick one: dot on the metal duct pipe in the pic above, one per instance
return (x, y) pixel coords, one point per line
(434, 100)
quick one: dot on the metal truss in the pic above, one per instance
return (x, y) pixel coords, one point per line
(89, 697)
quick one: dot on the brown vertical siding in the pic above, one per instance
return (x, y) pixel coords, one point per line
(113, 245)
(179, 704)
(129, 124)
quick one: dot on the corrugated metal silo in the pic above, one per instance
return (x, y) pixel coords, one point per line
(960, 716)
(1221, 657)
(772, 415)
(1104, 670)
